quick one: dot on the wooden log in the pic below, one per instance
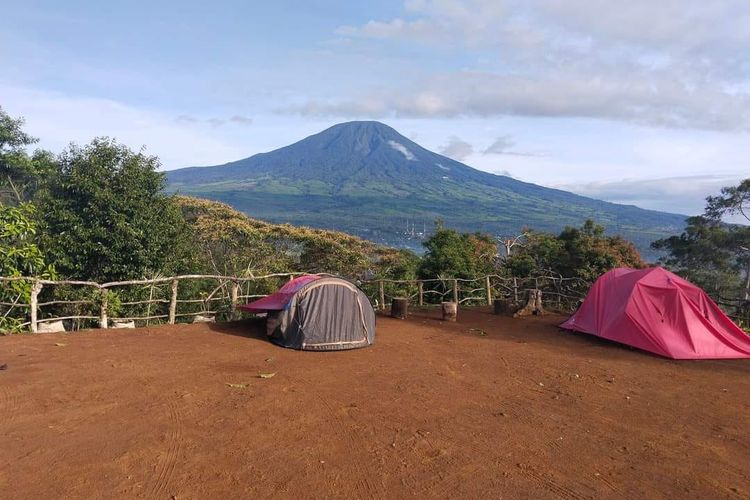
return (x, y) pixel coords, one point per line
(36, 287)
(450, 311)
(399, 307)
(421, 293)
(455, 291)
(103, 308)
(173, 302)
(533, 305)
(381, 287)
(488, 288)
(500, 306)
(234, 294)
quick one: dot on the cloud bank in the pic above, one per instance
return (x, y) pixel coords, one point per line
(677, 64)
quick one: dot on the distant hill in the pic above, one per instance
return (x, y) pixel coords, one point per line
(367, 179)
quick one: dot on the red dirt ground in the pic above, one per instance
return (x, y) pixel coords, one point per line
(431, 410)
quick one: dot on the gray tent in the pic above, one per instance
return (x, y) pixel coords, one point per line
(319, 314)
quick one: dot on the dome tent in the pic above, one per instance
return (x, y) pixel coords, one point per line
(317, 313)
(657, 311)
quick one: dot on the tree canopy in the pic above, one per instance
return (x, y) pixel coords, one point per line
(450, 254)
(584, 253)
(711, 253)
(106, 216)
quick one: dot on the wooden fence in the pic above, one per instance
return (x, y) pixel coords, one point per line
(159, 300)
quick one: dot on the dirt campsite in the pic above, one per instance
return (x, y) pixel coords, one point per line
(488, 406)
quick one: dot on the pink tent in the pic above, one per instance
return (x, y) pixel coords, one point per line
(657, 311)
(278, 300)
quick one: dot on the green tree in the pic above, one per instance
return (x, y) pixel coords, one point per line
(703, 255)
(106, 216)
(711, 253)
(450, 254)
(584, 253)
(19, 257)
(20, 173)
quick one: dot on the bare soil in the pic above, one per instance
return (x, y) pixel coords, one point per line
(490, 407)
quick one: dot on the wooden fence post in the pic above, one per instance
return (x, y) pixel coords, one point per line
(103, 320)
(515, 289)
(455, 291)
(382, 294)
(173, 303)
(488, 287)
(234, 294)
(36, 287)
(421, 293)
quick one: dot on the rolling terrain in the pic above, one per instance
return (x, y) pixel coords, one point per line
(366, 179)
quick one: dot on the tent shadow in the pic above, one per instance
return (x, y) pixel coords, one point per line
(250, 328)
(536, 331)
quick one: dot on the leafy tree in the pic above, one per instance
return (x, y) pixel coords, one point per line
(703, 255)
(450, 254)
(711, 253)
(106, 216)
(733, 200)
(584, 253)
(19, 172)
(19, 257)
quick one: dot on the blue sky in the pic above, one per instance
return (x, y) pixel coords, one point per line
(636, 102)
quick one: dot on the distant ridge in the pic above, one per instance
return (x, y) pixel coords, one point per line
(365, 178)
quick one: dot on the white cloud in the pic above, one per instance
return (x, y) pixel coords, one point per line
(672, 63)
(59, 119)
(504, 145)
(402, 149)
(647, 100)
(215, 122)
(457, 148)
(684, 194)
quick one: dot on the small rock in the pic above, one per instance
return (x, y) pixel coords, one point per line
(4, 366)
(541, 384)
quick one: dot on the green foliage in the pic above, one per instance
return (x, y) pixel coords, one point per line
(106, 217)
(704, 254)
(712, 254)
(19, 257)
(584, 253)
(733, 200)
(19, 172)
(228, 242)
(450, 254)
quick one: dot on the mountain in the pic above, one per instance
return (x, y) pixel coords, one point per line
(367, 179)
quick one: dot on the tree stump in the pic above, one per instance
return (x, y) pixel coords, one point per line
(399, 307)
(450, 311)
(501, 306)
(533, 305)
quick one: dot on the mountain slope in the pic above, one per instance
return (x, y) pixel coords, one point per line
(367, 179)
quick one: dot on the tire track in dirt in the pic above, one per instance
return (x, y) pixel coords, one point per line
(168, 460)
(550, 485)
(8, 405)
(364, 486)
(8, 414)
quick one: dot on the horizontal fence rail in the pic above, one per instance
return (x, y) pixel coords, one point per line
(198, 297)
(84, 304)
(562, 294)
